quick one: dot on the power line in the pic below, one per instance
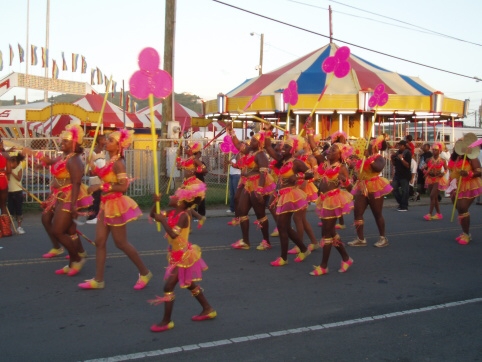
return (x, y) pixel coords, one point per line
(363, 17)
(404, 22)
(343, 41)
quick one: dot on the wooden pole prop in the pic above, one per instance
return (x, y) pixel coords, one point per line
(99, 121)
(148, 82)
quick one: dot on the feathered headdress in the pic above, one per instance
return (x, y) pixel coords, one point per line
(438, 146)
(296, 142)
(195, 147)
(191, 191)
(124, 139)
(377, 142)
(260, 136)
(345, 150)
(73, 132)
(335, 137)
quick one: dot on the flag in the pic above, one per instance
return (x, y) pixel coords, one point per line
(100, 79)
(64, 63)
(11, 54)
(84, 65)
(55, 70)
(127, 103)
(106, 82)
(121, 98)
(114, 86)
(21, 53)
(33, 55)
(1, 61)
(92, 75)
(75, 57)
(45, 58)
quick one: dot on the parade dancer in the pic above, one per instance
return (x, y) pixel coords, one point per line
(466, 171)
(332, 203)
(192, 165)
(185, 262)
(5, 170)
(258, 186)
(68, 196)
(116, 210)
(291, 199)
(311, 191)
(435, 180)
(369, 190)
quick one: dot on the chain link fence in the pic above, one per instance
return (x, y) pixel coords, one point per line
(139, 166)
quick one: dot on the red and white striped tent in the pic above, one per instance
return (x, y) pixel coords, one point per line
(113, 117)
(181, 114)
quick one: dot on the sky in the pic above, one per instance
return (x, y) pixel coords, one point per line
(215, 51)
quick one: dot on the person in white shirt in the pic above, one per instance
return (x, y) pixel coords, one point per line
(414, 195)
(15, 192)
(234, 176)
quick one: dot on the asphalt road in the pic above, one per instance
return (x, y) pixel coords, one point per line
(419, 299)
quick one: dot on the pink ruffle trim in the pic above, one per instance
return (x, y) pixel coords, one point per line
(188, 275)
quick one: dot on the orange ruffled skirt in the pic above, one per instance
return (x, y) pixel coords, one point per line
(442, 182)
(334, 203)
(290, 199)
(64, 194)
(310, 190)
(118, 209)
(189, 263)
(470, 188)
(252, 184)
(378, 186)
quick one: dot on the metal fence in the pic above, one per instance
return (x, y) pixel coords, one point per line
(139, 166)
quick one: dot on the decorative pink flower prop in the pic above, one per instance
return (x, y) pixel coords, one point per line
(290, 94)
(150, 79)
(228, 146)
(338, 63)
(379, 97)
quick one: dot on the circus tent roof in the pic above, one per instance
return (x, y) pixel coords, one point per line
(182, 114)
(311, 79)
(113, 116)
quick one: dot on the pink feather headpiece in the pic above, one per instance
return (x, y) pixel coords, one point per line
(124, 138)
(438, 146)
(377, 142)
(73, 132)
(345, 150)
(335, 136)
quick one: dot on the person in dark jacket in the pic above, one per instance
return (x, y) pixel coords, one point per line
(401, 178)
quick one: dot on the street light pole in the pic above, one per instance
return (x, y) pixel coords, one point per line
(261, 54)
(261, 45)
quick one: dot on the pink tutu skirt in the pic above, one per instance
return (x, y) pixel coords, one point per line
(189, 264)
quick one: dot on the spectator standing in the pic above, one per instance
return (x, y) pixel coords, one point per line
(426, 154)
(98, 157)
(401, 162)
(234, 176)
(414, 196)
(15, 192)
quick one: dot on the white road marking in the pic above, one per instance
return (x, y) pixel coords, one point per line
(222, 342)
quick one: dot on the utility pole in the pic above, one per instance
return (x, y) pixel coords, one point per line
(168, 106)
(261, 54)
